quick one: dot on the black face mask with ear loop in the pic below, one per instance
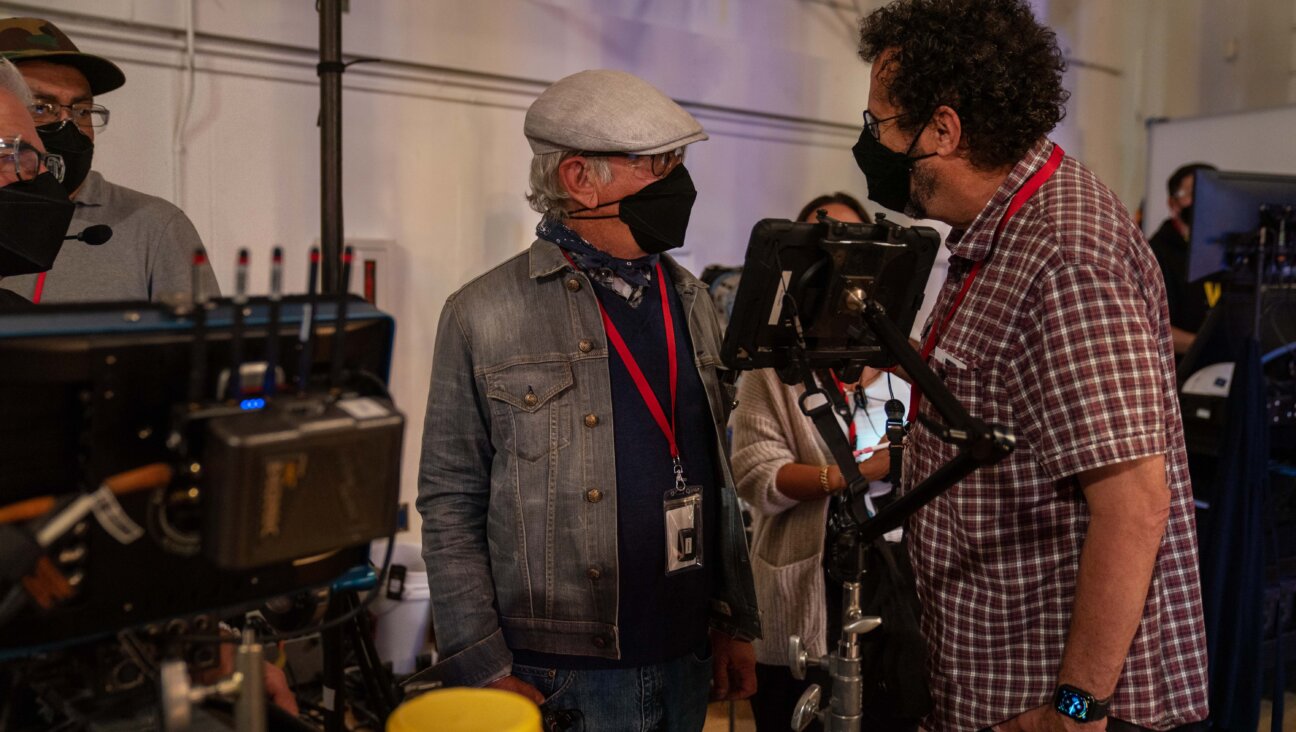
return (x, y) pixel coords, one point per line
(34, 218)
(66, 139)
(657, 214)
(887, 171)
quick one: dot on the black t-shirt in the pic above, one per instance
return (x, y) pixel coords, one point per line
(1188, 300)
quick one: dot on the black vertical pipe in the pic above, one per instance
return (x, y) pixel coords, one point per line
(330, 72)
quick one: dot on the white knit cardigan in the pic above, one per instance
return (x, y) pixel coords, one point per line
(769, 431)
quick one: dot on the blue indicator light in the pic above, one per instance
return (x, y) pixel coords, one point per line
(251, 404)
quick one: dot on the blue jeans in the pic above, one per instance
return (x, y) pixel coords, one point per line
(665, 697)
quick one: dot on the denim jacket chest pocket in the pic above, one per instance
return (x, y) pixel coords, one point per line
(532, 420)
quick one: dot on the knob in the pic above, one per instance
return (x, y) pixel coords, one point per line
(807, 708)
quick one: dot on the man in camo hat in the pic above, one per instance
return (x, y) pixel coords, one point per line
(151, 250)
(581, 530)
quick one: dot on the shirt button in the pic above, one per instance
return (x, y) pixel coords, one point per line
(593, 573)
(593, 495)
(531, 399)
(573, 284)
(591, 420)
(599, 641)
(586, 345)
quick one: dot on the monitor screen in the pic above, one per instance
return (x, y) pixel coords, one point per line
(1227, 203)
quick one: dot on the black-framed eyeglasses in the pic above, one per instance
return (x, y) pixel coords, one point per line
(84, 114)
(660, 164)
(873, 124)
(20, 160)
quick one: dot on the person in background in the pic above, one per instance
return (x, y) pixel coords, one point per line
(584, 544)
(151, 252)
(1188, 301)
(1059, 586)
(839, 205)
(787, 475)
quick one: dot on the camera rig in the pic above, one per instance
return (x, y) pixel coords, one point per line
(841, 295)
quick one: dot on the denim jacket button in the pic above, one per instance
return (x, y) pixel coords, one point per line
(593, 495)
(586, 345)
(530, 399)
(593, 573)
(573, 284)
(591, 420)
(599, 641)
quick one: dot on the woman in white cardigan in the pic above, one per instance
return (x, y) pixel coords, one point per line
(785, 472)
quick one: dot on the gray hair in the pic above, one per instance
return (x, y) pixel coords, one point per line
(11, 80)
(547, 193)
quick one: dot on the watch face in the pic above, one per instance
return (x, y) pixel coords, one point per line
(1075, 706)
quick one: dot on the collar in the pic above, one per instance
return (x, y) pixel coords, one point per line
(94, 191)
(974, 242)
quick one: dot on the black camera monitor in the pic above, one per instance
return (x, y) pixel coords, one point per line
(804, 285)
(274, 489)
(1226, 205)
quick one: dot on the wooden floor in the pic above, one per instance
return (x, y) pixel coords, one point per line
(718, 718)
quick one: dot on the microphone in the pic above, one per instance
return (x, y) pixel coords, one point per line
(93, 235)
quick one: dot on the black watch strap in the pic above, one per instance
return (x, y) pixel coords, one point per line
(1079, 704)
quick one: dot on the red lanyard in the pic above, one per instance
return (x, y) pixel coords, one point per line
(40, 287)
(641, 383)
(1019, 199)
(850, 415)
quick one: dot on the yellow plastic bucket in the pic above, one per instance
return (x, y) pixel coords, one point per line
(466, 710)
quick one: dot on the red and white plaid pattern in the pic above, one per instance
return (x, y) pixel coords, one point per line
(1065, 339)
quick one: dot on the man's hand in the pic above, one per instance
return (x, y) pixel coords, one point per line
(1045, 718)
(733, 668)
(518, 686)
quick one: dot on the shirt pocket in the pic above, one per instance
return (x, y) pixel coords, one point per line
(526, 400)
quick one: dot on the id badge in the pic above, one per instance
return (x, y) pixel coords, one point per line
(683, 529)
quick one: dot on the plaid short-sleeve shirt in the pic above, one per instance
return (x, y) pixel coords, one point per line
(1064, 337)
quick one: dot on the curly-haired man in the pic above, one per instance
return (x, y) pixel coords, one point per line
(1059, 586)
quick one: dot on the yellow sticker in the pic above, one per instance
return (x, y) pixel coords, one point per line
(1213, 292)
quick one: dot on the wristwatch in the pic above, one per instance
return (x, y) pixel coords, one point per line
(1079, 704)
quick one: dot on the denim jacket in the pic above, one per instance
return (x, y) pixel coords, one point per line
(517, 481)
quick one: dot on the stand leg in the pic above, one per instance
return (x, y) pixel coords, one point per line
(334, 702)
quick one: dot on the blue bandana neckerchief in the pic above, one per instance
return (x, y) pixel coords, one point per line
(628, 278)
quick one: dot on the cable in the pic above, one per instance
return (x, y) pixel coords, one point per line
(327, 625)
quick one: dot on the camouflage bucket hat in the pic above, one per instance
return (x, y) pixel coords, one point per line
(33, 39)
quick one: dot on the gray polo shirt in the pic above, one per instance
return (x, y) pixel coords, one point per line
(148, 256)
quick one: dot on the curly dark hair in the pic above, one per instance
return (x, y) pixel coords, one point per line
(989, 60)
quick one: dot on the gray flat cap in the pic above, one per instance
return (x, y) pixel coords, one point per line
(608, 111)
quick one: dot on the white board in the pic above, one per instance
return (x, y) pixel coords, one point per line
(1259, 141)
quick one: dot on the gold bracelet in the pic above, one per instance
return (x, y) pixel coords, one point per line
(823, 478)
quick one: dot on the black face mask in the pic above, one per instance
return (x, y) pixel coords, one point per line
(34, 218)
(64, 138)
(886, 171)
(658, 213)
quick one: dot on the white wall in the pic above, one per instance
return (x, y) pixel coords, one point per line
(434, 158)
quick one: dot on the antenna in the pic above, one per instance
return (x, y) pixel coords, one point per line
(340, 322)
(306, 335)
(270, 383)
(234, 389)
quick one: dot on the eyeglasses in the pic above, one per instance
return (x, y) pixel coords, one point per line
(21, 160)
(84, 114)
(660, 164)
(873, 124)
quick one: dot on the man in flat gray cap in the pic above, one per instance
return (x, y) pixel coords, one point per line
(582, 535)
